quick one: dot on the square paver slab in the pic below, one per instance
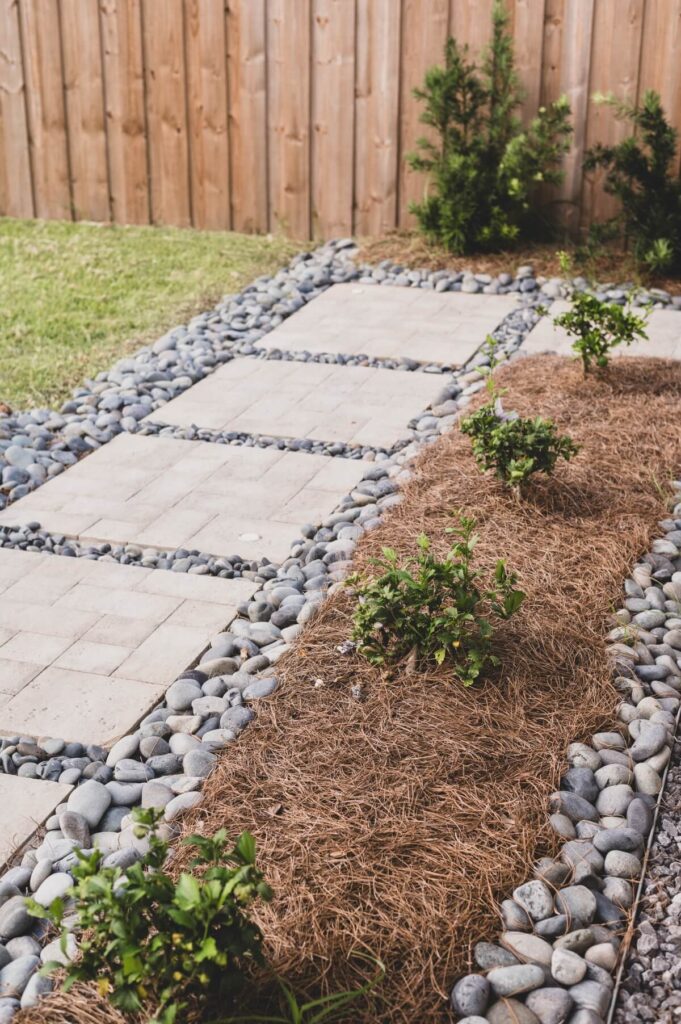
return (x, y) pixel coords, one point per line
(190, 494)
(393, 323)
(354, 404)
(663, 330)
(85, 660)
(25, 804)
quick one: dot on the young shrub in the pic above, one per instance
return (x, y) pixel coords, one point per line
(640, 172)
(483, 168)
(598, 327)
(513, 447)
(428, 609)
(150, 940)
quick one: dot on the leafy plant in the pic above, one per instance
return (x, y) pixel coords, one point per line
(428, 609)
(148, 939)
(484, 168)
(515, 447)
(598, 327)
(641, 174)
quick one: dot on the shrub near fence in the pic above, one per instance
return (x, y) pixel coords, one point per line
(286, 115)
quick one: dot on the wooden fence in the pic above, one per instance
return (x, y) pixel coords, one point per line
(284, 115)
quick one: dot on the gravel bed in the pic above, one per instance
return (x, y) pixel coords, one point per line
(651, 985)
(244, 439)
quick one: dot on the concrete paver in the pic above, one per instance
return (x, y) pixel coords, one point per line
(438, 327)
(25, 804)
(354, 404)
(663, 330)
(87, 660)
(192, 494)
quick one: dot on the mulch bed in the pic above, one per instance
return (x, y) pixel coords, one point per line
(395, 823)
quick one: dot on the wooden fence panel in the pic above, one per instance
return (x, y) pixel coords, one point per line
(470, 22)
(661, 56)
(617, 37)
(528, 40)
(207, 112)
(121, 28)
(288, 115)
(424, 33)
(288, 62)
(333, 120)
(16, 193)
(84, 92)
(165, 82)
(247, 79)
(578, 17)
(377, 116)
(41, 35)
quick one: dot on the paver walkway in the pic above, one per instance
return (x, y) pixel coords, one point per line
(323, 402)
(88, 647)
(663, 330)
(393, 323)
(25, 804)
(169, 493)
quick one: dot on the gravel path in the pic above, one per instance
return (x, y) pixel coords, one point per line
(651, 981)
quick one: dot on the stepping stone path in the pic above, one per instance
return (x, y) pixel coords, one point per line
(169, 493)
(88, 647)
(432, 327)
(663, 330)
(25, 804)
(353, 404)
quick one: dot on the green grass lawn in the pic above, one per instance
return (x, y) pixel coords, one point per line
(76, 297)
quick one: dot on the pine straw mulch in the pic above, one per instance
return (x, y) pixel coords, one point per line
(394, 824)
(608, 263)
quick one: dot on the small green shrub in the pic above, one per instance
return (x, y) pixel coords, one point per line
(640, 172)
(429, 609)
(147, 939)
(513, 447)
(484, 168)
(598, 327)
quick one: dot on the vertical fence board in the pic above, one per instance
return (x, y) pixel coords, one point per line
(121, 29)
(16, 194)
(528, 40)
(661, 57)
(333, 104)
(552, 51)
(470, 22)
(207, 112)
(83, 85)
(618, 26)
(41, 36)
(377, 116)
(574, 79)
(165, 78)
(424, 33)
(288, 64)
(247, 80)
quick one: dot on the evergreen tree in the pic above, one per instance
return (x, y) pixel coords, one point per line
(640, 173)
(483, 168)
